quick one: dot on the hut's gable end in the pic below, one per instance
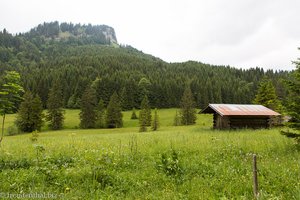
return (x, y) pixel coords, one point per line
(221, 122)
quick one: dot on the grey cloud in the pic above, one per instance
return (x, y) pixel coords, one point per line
(243, 33)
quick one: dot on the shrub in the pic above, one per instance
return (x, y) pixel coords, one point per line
(12, 130)
(170, 165)
(34, 136)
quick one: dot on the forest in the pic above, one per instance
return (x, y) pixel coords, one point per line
(77, 56)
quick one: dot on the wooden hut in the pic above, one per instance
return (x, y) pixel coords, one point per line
(227, 116)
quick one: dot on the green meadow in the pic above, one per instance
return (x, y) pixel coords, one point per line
(176, 162)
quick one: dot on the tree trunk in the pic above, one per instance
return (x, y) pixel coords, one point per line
(2, 134)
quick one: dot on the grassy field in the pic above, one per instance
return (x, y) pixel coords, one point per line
(183, 162)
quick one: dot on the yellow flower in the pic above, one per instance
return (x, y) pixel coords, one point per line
(67, 189)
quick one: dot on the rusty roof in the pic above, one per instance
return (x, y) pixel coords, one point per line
(239, 110)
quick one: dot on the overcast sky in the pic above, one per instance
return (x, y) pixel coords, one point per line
(240, 33)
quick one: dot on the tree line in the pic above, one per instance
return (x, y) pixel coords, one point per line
(31, 118)
(94, 115)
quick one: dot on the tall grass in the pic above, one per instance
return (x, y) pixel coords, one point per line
(182, 162)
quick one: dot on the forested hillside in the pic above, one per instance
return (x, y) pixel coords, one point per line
(82, 55)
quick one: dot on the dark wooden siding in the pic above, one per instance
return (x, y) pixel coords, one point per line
(249, 122)
(235, 122)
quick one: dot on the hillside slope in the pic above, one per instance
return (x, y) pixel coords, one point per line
(80, 55)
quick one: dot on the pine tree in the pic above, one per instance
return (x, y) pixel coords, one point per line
(155, 122)
(293, 104)
(143, 121)
(143, 88)
(71, 102)
(133, 115)
(88, 115)
(188, 111)
(177, 120)
(146, 110)
(114, 112)
(37, 113)
(100, 123)
(145, 115)
(55, 112)
(148, 115)
(30, 115)
(266, 95)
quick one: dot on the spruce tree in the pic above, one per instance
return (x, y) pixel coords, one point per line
(55, 112)
(133, 115)
(145, 107)
(142, 121)
(148, 115)
(293, 104)
(177, 120)
(145, 115)
(187, 111)
(88, 115)
(37, 113)
(114, 112)
(143, 88)
(100, 123)
(155, 122)
(266, 95)
(30, 115)
(71, 102)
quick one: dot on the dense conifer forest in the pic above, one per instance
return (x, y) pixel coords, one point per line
(78, 56)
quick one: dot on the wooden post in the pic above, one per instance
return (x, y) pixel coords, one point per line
(255, 181)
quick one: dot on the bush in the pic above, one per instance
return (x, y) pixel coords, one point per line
(12, 130)
(34, 136)
(170, 165)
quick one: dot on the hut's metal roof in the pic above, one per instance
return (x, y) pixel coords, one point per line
(239, 110)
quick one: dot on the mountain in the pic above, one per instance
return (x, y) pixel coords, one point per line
(99, 34)
(80, 56)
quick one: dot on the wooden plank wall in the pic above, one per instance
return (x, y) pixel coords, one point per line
(249, 122)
